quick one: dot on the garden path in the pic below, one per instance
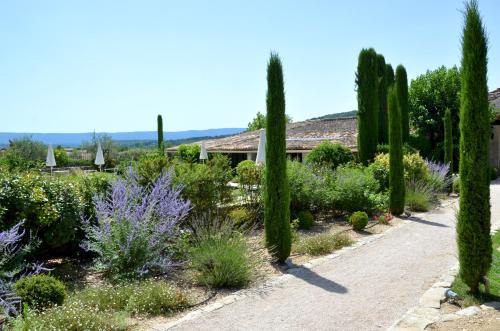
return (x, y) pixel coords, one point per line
(367, 288)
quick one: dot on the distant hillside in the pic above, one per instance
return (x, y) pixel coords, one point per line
(337, 115)
(75, 139)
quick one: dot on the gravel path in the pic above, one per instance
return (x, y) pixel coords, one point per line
(367, 288)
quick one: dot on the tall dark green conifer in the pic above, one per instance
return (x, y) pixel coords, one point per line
(448, 139)
(402, 94)
(474, 217)
(383, 136)
(368, 105)
(389, 74)
(396, 168)
(276, 193)
(159, 122)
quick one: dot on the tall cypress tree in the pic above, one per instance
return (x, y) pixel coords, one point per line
(448, 139)
(159, 122)
(402, 94)
(389, 75)
(368, 105)
(383, 137)
(276, 193)
(473, 226)
(396, 168)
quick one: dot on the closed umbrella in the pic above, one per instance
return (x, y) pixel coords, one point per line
(261, 151)
(99, 157)
(51, 160)
(203, 152)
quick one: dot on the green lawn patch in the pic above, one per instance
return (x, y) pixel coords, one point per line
(494, 277)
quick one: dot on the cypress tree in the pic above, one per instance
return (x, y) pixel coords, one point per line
(368, 105)
(448, 139)
(276, 193)
(402, 94)
(159, 122)
(473, 226)
(396, 168)
(383, 137)
(389, 75)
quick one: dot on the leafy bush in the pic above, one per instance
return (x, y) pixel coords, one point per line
(355, 188)
(419, 195)
(329, 155)
(306, 220)
(156, 298)
(51, 207)
(222, 261)
(90, 185)
(134, 225)
(150, 167)
(189, 153)
(40, 291)
(24, 154)
(359, 220)
(250, 177)
(241, 217)
(414, 165)
(322, 244)
(205, 185)
(307, 188)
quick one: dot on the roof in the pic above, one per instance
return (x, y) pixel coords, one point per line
(301, 136)
(494, 98)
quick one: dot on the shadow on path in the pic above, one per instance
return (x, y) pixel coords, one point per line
(313, 278)
(426, 222)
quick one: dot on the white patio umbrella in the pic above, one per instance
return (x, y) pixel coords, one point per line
(261, 151)
(51, 160)
(99, 157)
(203, 152)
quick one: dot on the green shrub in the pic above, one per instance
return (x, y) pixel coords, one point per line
(154, 298)
(241, 217)
(414, 166)
(150, 167)
(419, 196)
(306, 220)
(205, 185)
(353, 189)
(307, 188)
(40, 291)
(222, 262)
(322, 244)
(249, 176)
(248, 173)
(189, 153)
(359, 220)
(50, 206)
(329, 155)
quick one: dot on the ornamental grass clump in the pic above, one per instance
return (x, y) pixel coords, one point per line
(135, 225)
(322, 244)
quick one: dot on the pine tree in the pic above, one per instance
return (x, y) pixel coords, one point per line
(368, 105)
(389, 74)
(402, 94)
(474, 217)
(159, 121)
(396, 168)
(276, 193)
(448, 139)
(383, 136)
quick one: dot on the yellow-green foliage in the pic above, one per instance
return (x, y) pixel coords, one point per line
(322, 244)
(414, 165)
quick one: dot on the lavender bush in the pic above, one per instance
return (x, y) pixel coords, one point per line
(135, 226)
(438, 177)
(13, 266)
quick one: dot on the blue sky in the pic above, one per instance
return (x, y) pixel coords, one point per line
(79, 66)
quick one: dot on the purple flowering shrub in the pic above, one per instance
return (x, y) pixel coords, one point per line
(438, 178)
(13, 266)
(136, 225)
